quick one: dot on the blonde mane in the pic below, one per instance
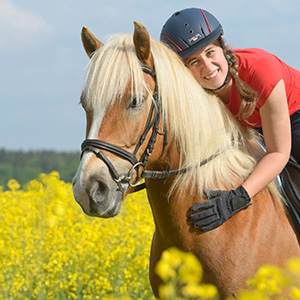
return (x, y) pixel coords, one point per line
(198, 122)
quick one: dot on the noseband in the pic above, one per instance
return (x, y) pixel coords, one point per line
(95, 146)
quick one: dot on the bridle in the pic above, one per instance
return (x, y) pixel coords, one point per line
(95, 146)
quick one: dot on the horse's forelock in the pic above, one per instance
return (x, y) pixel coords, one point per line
(110, 71)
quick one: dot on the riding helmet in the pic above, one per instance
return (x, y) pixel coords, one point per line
(189, 30)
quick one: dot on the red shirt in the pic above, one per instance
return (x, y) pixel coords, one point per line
(262, 71)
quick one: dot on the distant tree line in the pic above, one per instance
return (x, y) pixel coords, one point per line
(25, 166)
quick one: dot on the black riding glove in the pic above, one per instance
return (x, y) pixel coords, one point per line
(221, 206)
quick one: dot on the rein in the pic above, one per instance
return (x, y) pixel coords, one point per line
(95, 146)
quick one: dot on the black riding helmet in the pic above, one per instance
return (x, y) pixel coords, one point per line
(189, 30)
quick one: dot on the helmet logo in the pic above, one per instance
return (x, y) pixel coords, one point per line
(194, 38)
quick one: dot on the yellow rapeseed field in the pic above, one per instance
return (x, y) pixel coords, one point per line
(49, 249)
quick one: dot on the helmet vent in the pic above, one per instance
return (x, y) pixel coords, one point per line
(191, 31)
(186, 24)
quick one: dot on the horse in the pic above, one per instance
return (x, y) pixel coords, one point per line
(148, 118)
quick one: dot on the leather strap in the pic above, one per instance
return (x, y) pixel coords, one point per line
(110, 148)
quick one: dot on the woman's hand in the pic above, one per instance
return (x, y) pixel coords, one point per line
(221, 206)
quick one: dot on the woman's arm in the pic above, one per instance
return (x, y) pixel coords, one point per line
(277, 134)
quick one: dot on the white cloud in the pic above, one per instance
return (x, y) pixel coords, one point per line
(18, 26)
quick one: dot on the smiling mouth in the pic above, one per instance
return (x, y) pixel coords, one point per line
(212, 75)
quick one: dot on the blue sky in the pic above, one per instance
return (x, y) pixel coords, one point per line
(42, 61)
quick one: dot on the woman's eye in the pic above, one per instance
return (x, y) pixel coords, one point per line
(193, 63)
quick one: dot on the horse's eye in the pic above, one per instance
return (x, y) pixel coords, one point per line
(133, 103)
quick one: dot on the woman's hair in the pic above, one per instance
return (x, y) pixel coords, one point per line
(247, 95)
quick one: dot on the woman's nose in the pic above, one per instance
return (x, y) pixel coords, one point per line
(206, 63)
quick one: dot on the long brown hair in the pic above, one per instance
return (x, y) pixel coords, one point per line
(247, 95)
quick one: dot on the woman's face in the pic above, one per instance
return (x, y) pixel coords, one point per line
(209, 66)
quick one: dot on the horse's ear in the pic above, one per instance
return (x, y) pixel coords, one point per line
(142, 44)
(90, 43)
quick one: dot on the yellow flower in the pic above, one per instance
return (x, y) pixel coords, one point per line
(167, 266)
(269, 279)
(165, 271)
(59, 209)
(174, 263)
(13, 185)
(295, 293)
(34, 185)
(191, 270)
(293, 265)
(173, 257)
(251, 295)
(167, 291)
(199, 291)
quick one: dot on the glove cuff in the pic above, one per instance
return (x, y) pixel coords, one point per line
(240, 199)
(241, 191)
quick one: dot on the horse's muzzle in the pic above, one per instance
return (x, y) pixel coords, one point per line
(97, 199)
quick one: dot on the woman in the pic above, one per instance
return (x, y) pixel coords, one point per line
(258, 88)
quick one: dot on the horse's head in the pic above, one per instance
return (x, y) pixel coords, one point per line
(123, 118)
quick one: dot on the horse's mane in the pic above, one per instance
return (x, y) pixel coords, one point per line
(199, 122)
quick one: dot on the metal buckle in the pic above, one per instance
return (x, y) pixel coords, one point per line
(129, 175)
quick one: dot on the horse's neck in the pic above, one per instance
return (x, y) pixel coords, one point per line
(169, 210)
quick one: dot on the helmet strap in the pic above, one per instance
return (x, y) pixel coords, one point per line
(224, 83)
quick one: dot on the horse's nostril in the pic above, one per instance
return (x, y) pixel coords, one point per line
(97, 191)
(98, 198)
(102, 188)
